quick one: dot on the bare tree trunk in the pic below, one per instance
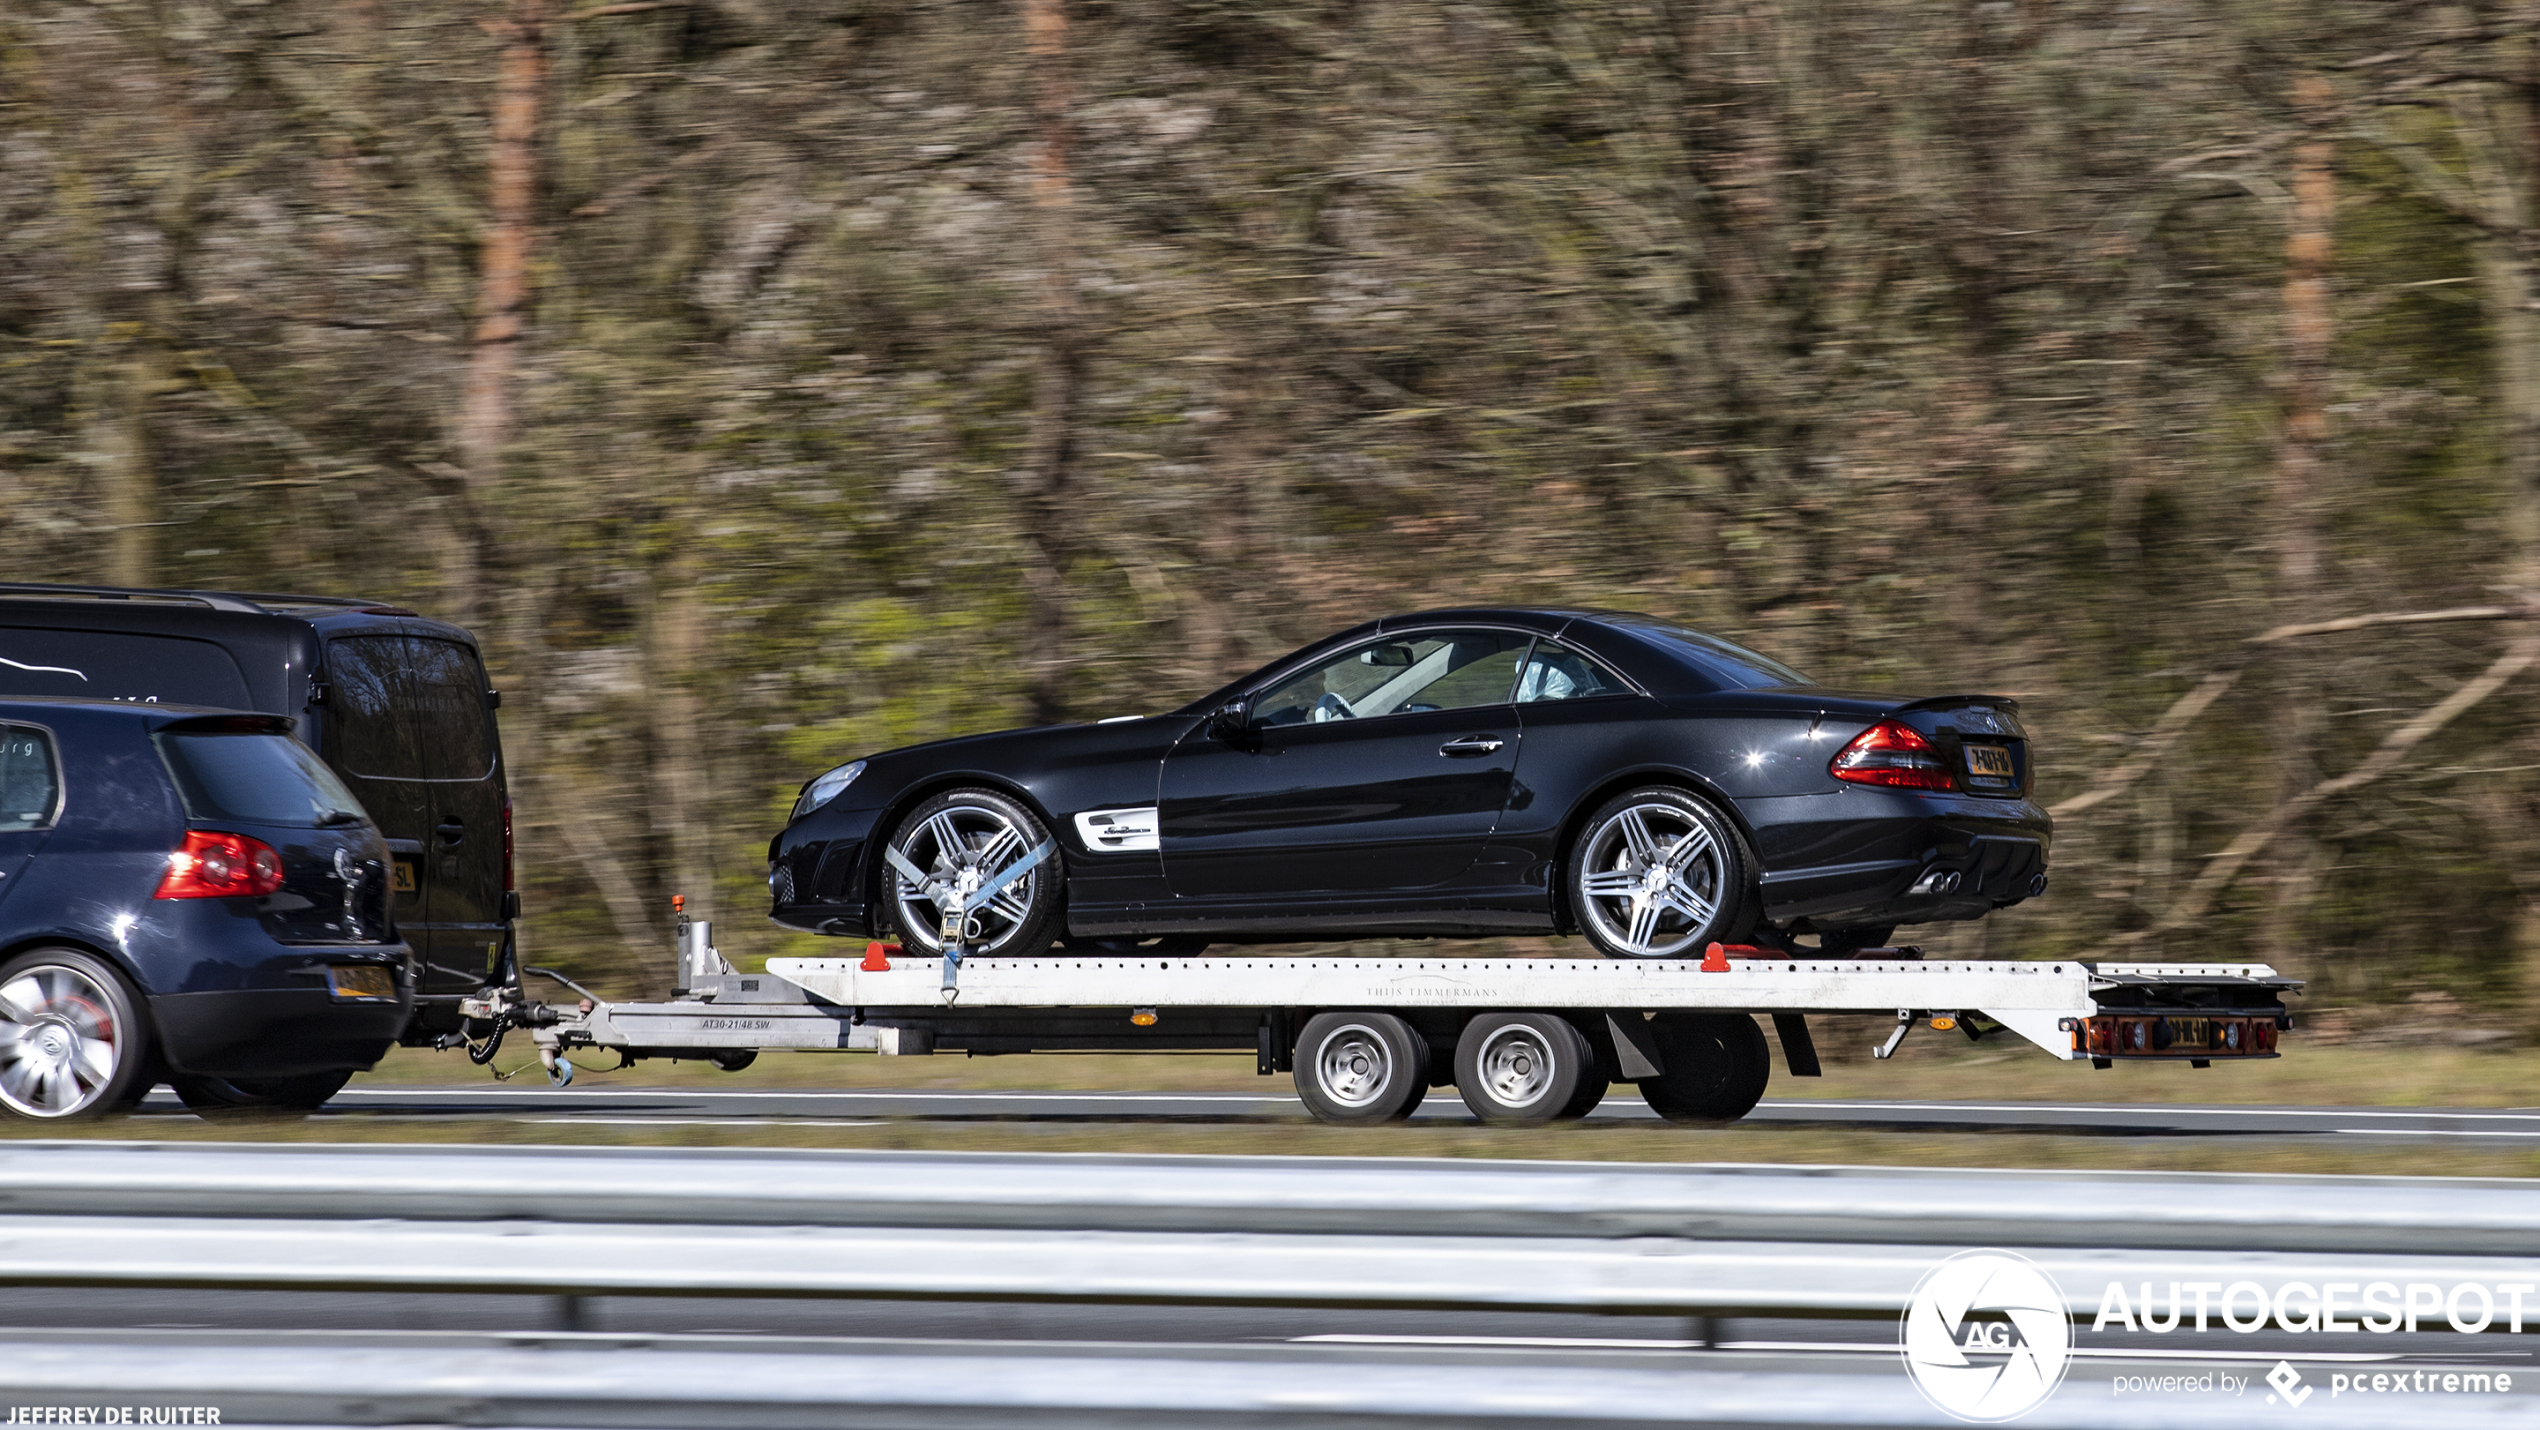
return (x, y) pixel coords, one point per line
(676, 635)
(2299, 481)
(1052, 456)
(121, 440)
(502, 295)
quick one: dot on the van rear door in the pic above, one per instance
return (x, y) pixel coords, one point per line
(368, 734)
(463, 884)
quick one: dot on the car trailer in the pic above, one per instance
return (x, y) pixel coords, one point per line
(1523, 1040)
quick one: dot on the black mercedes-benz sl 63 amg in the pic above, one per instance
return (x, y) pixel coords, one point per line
(1466, 772)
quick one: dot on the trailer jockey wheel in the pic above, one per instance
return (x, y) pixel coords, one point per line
(1522, 1069)
(1358, 1069)
(1716, 1067)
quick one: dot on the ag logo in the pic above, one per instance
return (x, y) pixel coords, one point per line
(1987, 1336)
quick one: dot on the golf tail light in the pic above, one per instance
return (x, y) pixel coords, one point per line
(220, 866)
(1894, 755)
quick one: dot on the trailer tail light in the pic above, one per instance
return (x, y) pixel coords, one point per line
(1894, 755)
(220, 866)
(2165, 1035)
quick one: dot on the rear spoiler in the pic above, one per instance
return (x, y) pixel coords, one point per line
(1943, 702)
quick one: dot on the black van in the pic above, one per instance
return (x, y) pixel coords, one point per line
(398, 705)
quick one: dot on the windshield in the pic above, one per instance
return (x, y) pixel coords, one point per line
(1733, 666)
(258, 779)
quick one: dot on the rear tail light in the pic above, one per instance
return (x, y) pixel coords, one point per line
(1894, 755)
(221, 866)
(2155, 1035)
(507, 845)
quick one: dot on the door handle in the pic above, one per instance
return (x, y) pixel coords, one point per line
(1472, 745)
(451, 830)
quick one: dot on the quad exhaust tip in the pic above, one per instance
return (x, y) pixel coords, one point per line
(1936, 881)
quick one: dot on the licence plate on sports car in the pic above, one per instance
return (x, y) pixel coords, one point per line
(1989, 762)
(403, 880)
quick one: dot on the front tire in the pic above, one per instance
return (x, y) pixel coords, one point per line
(961, 840)
(1660, 873)
(73, 1045)
(218, 1098)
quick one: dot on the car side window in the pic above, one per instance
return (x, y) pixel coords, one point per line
(1557, 673)
(368, 729)
(1399, 675)
(30, 779)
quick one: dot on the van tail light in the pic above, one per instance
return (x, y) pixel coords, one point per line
(507, 844)
(1892, 754)
(220, 866)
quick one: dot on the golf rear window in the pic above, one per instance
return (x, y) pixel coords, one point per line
(257, 779)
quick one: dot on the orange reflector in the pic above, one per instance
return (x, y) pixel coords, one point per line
(1144, 1017)
(1944, 1023)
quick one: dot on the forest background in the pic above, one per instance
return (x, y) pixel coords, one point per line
(773, 381)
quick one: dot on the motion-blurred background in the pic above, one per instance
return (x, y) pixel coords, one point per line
(771, 381)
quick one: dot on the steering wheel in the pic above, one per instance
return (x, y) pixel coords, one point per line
(1331, 707)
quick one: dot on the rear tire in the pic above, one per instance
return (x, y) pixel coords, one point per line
(218, 1098)
(1522, 1069)
(1360, 1069)
(1660, 873)
(1717, 1065)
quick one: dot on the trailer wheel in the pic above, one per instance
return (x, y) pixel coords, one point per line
(1522, 1069)
(1359, 1069)
(735, 1059)
(1716, 1067)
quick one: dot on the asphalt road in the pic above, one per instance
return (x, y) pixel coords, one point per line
(1277, 1103)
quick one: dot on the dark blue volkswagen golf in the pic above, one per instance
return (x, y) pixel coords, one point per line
(186, 896)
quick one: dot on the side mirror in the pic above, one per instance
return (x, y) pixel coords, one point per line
(1229, 720)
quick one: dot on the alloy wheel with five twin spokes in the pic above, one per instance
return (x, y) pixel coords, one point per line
(1658, 874)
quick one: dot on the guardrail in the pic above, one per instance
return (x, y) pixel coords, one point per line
(596, 1385)
(1370, 1196)
(1292, 1232)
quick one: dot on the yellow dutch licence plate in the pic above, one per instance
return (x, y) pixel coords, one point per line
(360, 980)
(403, 880)
(1989, 761)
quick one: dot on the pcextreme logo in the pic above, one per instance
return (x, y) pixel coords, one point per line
(1987, 1336)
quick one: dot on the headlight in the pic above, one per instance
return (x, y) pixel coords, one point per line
(826, 788)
